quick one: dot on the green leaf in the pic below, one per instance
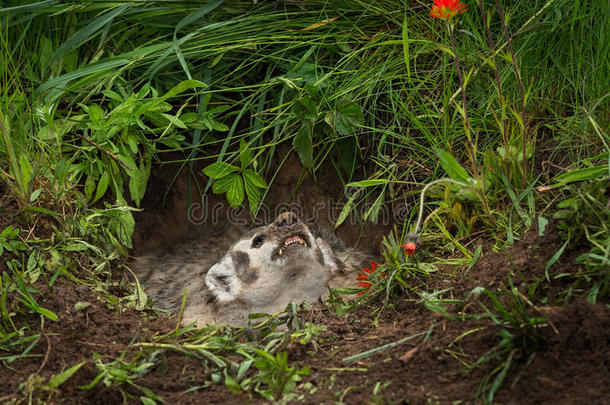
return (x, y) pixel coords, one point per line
(250, 176)
(554, 259)
(244, 154)
(147, 401)
(345, 118)
(46, 312)
(179, 88)
(60, 378)
(34, 196)
(305, 109)
(27, 7)
(125, 227)
(235, 193)
(452, 167)
(223, 184)
(405, 46)
(368, 183)
(232, 384)
(542, 223)
(102, 186)
(372, 214)
(89, 187)
(79, 306)
(347, 151)
(26, 170)
(304, 146)
(219, 169)
(89, 31)
(587, 173)
(346, 210)
(233, 186)
(253, 193)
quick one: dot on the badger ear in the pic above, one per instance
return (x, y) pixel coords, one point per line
(222, 280)
(331, 261)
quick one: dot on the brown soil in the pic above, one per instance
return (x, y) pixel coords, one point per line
(571, 365)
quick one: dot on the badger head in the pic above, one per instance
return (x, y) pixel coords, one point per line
(273, 265)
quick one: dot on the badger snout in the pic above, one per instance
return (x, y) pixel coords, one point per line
(286, 219)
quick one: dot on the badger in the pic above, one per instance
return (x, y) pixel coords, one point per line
(262, 272)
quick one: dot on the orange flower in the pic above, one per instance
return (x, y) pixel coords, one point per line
(363, 277)
(409, 248)
(447, 8)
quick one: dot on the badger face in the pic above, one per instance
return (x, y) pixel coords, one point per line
(273, 265)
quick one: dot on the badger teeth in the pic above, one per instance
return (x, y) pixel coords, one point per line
(291, 241)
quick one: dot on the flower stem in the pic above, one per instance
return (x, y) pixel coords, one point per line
(518, 76)
(466, 120)
(492, 47)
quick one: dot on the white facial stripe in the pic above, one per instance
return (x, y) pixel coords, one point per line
(222, 280)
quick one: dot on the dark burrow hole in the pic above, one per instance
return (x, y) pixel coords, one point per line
(173, 211)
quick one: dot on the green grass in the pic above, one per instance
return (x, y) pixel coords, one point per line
(93, 95)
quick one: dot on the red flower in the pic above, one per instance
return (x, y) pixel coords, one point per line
(409, 248)
(364, 278)
(447, 8)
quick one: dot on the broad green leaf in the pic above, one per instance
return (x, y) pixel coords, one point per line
(217, 125)
(250, 176)
(26, 170)
(102, 186)
(147, 401)
(89, 187)
(347, 150)
(235, 193)
(232, 384)
(587, 173)
(35, 194)
(452, 167)
(125, 228)
(305, 109)
(244, 154)
(304, 146)
(219, 169)
(223, 184)
(60, 378)
(345, 118)
(46, 312)
(253, 193)
(178, 89)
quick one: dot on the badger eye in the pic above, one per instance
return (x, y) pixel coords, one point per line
(258, 241)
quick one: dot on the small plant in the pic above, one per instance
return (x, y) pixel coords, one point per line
(276, 378)
(520, 332)
(585, 218)
(232, 180)
(119, 372)
(118, 141)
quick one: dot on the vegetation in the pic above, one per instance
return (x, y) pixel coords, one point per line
(501, 114)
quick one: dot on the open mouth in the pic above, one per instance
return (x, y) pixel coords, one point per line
(291, 241)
